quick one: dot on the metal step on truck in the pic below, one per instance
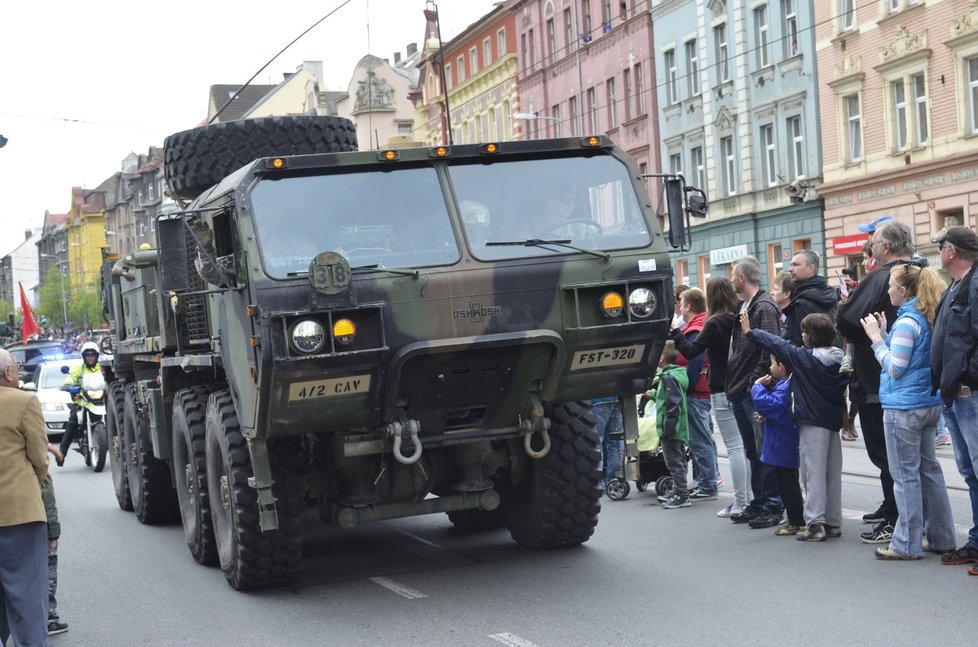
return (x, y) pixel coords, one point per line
(381, 334)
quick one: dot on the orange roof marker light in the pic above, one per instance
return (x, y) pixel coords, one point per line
(344, 331)
(439, 151)
(389, 156)
(490, 148)
(592, 141)
(612, 304)
(278, 162)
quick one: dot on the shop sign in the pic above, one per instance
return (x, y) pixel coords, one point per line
(726, 255)
(846, 245)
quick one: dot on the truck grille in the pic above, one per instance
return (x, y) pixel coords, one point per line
(194, 307)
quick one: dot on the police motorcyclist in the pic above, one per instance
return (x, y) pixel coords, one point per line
(72, 384)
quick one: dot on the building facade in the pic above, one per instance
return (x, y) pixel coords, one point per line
(86, 237)
(378, 101)
(19, 268)
(480, 75)
(899, 118)
(737, 89)
(52, 247)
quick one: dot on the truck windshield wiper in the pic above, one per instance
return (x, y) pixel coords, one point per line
(539, 242)
(364, 269)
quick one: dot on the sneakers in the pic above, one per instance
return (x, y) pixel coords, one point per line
(874, 517)
(765, 520)
(882, 533)
(665, 497)
(699, 495)
(720, 480)
(731, 509)
(814, 532)
(940, 551)
(56, 627)
(846, 365)
(745, 515)
(892, 555)
(676, 501)
(943, 440)
(832, 532)
(964, 555)
(787, 528)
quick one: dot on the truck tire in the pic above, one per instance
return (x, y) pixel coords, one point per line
(197, 159)
(153, 498)
(477, 520)
(557, 505)
(114, 412)
(189, 473)
(251, 559)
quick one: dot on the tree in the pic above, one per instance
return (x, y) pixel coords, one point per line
(85, 308)
(6, 309)
(50, 298)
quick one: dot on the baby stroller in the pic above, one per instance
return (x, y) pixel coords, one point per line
(651, 464)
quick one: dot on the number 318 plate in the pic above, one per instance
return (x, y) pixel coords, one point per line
(599, 357)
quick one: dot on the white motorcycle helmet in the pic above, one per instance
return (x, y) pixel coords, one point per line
(90, 347)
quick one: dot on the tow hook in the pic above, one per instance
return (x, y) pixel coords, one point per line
(409, 428)
(544, 433)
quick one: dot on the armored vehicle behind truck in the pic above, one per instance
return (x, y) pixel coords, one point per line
(380, 334)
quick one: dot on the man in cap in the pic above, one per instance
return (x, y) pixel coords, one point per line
(869, 228)
(954, 369)
(891, 244)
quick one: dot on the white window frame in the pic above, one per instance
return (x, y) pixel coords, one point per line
(676, 162)
(854, 128)
(692, 67)
(460, 66)
(612, 103)
(790, 12)
(699, 167)
(639, 89)
(761, 33)
(898, 90)
(972, 101)
(795, 133)
(448, 76)
(669, 65)
(486, 52)
(722, 52)
(473, 61)
(592, 110)
(847, 14)
(729, 161)
(501, 42)
(551, 40)
(769, 156)
(920, 114)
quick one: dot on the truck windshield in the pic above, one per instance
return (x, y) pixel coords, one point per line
(373, 218)
(589, 202)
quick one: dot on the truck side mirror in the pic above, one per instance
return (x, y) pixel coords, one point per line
(678, 234)
(172, 233)
(696, 203)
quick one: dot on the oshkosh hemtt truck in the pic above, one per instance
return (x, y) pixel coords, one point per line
(381, 334)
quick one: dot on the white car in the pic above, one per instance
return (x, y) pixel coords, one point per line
(48, 379)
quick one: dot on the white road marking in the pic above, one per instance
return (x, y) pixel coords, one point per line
(512, 640)
(421, 539)
(400, 589)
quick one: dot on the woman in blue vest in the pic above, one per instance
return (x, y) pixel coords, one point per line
(910, 414)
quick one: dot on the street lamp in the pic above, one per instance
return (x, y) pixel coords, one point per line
(529, 116)
(64, 301)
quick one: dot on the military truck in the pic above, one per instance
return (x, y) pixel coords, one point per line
(381, 334)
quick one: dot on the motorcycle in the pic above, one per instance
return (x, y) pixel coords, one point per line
(91, 397)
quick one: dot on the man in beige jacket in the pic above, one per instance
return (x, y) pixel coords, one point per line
(23, 522)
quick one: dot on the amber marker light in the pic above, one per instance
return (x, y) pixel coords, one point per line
(490, 148)
(344, 331)
(389, 156)
(278, 162)
(439, 151)
(612, 304)
(592, 141)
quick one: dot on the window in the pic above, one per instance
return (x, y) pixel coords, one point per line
(586, 19)
(676, 163)
(501, 42)
(796, 152)
(790, 27)
(551, 41)
(474, 60)
(627, 74)
(682, 272)
(854, 129)
(493, 133)
(639, 90)
(404, 128)
(486, 52)
(670, 67)
(460, 66)
(569, 31)
(533, 55)
(555, 113)
(612, 103)
(848, 12)
(699, 169)
(720, 42)
(572, 109)
(920, 107)
(692, 69)
(760, 29)
(899, 115)
(768, 156)
(524, 53)
(592, 110)
(774, 262)
(894, 5)
(729, 166)
(448, 76)
(606, 13)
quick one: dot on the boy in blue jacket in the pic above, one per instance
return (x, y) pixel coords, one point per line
(818, 390)
(772, 399)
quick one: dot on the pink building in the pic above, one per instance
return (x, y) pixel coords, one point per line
(585, 67)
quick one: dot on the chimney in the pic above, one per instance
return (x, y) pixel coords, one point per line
(397, 58)
(28, 233)
(287, 75)
(412, 49)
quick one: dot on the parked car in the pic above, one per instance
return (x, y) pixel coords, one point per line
(29, 355)
(46, 382)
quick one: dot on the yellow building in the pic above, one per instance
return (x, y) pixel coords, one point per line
(86, 237)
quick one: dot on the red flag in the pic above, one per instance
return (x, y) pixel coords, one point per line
(28, 326)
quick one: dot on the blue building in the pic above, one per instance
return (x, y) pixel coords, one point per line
(738, 117)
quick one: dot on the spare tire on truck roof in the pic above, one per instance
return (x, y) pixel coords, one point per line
(197, 159)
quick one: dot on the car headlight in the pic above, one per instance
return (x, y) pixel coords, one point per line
(641, 303)
(53, 406)
(308, 336)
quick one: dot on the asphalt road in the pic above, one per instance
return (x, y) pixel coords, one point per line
(648, 576)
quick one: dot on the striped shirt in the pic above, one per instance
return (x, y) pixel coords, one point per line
(893, 351)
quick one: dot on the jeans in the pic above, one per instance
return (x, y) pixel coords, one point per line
(701, 444)
(610, 436)
(730, 433)
(918, 482)
(962, 423)
(871, 420)
(674, 454)
(23, 568)
(762, 478)
(820, 451)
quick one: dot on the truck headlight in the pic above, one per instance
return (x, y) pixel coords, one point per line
(308, 336)
(641, 303)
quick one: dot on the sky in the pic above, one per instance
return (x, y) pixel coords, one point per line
(83, 84)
